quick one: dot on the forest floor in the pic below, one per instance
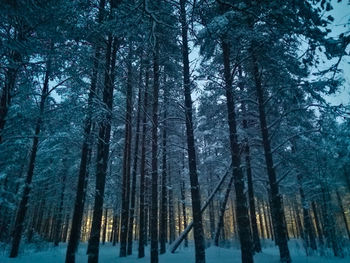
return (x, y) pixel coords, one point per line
(109, 254)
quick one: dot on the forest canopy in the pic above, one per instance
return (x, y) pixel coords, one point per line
(155, 124)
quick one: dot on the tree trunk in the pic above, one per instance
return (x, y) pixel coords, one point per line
(163, 223)
(104, 232)
(59, 214)
(182, 235)
(126, 161)
(183, 203)
(147, 208)
(78, 211)
(254, 226)
(142, 218)
(171, 210)
(256, 240)
(277, 210)
(343, 214)
(262, 230)
(222, 212)
(318, 224)
(23, 205)
(309, 234)
(241, 202)
(134, 171)
(103, 149)
(298, 221)
(154, 176)
(195, 191)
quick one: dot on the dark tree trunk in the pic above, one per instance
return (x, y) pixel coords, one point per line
(268, 213)
(195, 191)
(59, 215)
(234, 221)
(154, 162)
(183, 203)
(134, 171)
(78, 211)
(309, 234)
(222, 212)
(241, 202)
(163, 223)
(103, 149)
(329, 228)
(147, 208)
(276, 202)
(171, 210)
(65, 229)
(211, 205)
(23, 205)
(318, 224)
(117, 230)
(254, 226)
(126, 161)
(142, 217)
(298, 221)
(104, 232)
(256, 240)
(343, 214)
(183, 235)
(212, 220)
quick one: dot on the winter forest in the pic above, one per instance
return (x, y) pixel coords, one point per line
(174, 131)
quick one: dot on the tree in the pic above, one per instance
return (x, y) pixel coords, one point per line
(191, 150)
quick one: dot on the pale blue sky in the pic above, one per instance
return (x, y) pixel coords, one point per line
(341, 14)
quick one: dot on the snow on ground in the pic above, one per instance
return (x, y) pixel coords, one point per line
(109, 254)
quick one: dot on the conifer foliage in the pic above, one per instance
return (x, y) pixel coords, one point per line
(152, 122)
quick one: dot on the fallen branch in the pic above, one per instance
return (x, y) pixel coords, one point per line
(178, 241)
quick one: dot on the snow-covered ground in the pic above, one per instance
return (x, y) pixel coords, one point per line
(109, 254)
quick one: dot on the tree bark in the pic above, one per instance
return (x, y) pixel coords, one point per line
(74, 236)
(154, 162)
(318, 224)
(241, 202)
(329, 228)
(171, 210)
(195, 191)
(309, 234)
(182, 235)
(256, 240)
(126, 161)
(104, 231)
(220, 225)
(59, 215)
(163, 223)
(134, 171)
(183, 205)
(343, 214)
(22, 208)
(142, 226)
(103, 149)
(277, 210)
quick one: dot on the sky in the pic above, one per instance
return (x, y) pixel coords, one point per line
(341, 24)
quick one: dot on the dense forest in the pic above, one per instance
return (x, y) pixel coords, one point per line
(156, 125)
